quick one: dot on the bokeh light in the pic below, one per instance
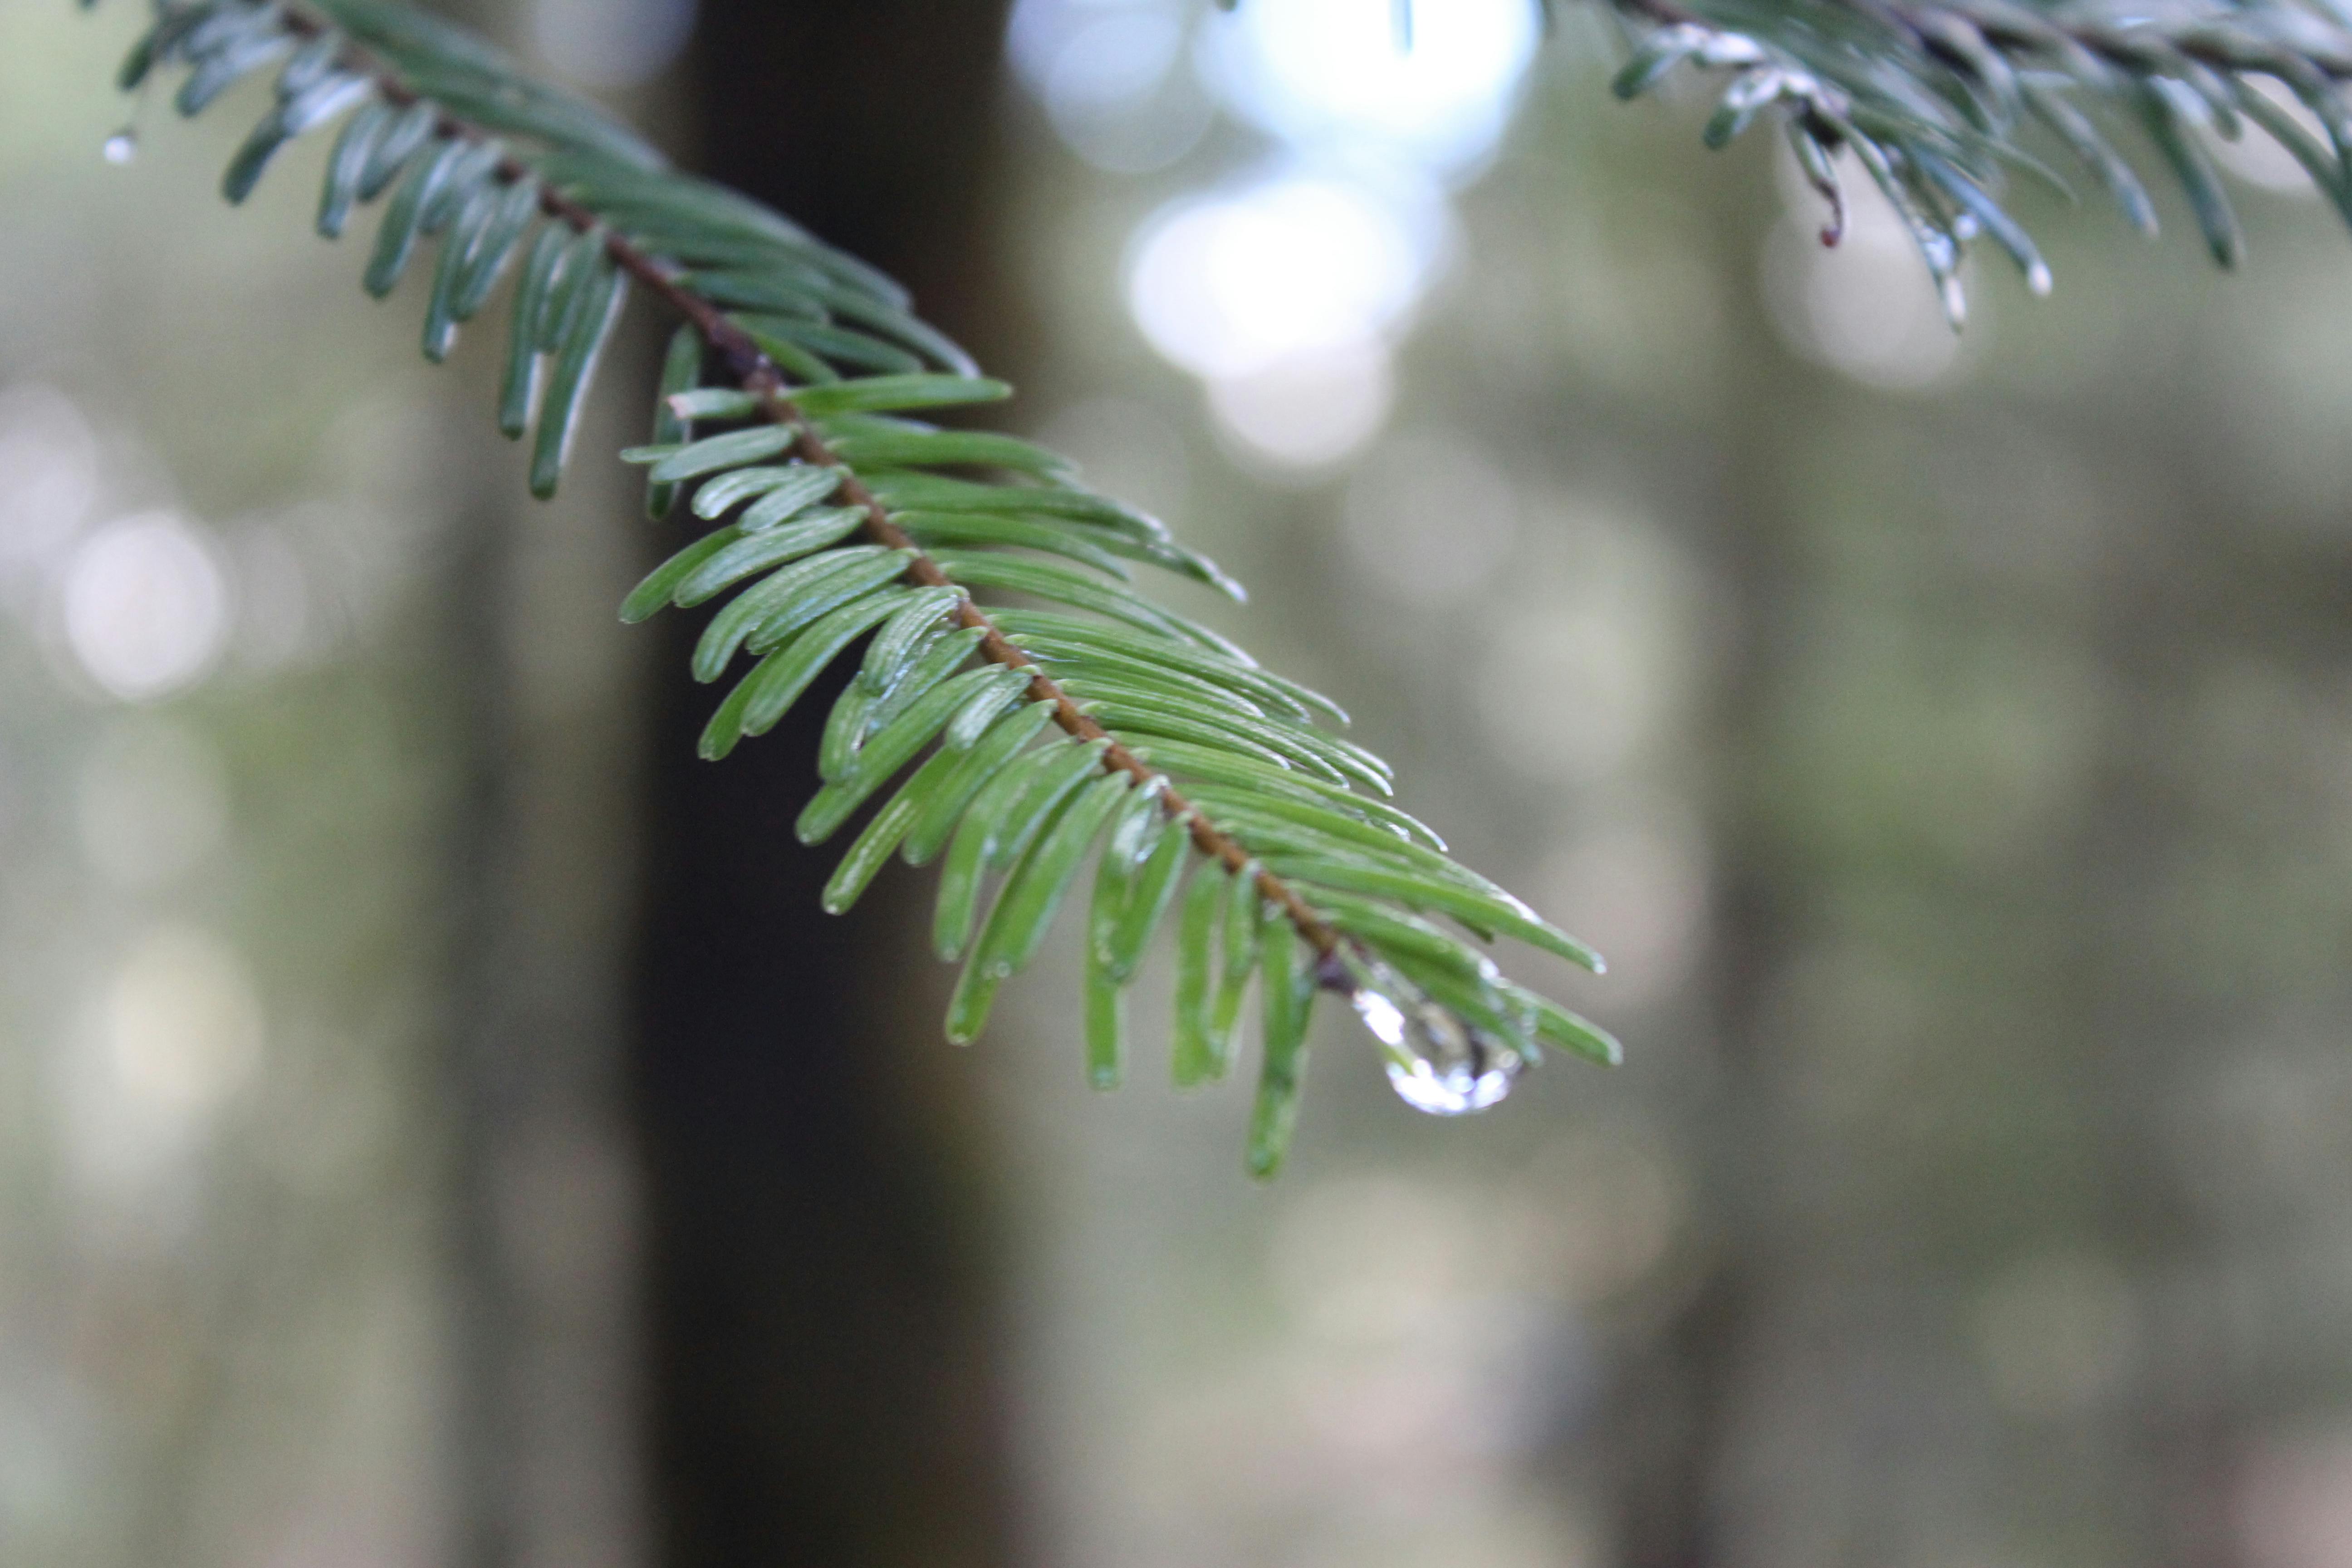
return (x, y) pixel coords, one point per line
(1285, 295)
(176, 1030)
(49, 470)
(1306, 411)
(1285, 289)
(1114, 77)
(1336, 72)
(1229, 284)
(1866, 306)
(145, 605)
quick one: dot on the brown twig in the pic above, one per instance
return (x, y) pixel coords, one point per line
(759, 375)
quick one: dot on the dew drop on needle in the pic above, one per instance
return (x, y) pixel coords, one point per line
(1436, 1062)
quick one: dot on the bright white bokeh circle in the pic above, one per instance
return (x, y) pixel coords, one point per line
(1314, 71)
(1228, 284)
(1306, 411)
(145, 606)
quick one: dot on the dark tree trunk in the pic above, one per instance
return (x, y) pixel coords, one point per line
(821, 1290)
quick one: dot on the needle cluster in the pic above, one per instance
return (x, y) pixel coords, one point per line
(1017, 742)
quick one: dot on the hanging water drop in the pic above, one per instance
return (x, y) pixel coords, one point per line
(122, 146)
(1955, 302)
(1436, 1062)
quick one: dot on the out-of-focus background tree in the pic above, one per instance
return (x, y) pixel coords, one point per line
(420, 1144)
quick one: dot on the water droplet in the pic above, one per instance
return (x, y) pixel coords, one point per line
(122, 146)
(1956, 303)
(1729, 49)
(2038, 279)
(1436, 1062)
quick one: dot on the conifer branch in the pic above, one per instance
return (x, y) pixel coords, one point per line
(1940, 103)
(759, 374)
(1036, 738)
(763, 379)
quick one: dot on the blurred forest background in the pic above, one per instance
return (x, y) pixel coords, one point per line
(437, 1127)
